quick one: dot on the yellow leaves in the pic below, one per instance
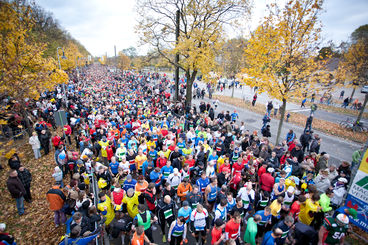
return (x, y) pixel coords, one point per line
(280, 57)
(123, 61)
(3, 122)
(10, 153)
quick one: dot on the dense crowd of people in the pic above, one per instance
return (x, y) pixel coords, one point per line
(164, 166)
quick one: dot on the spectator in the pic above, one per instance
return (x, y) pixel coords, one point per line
(16, 190)
(36, 145)
(26, 178)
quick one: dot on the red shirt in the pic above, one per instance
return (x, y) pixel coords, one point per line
(233, 229)
(261, 171)
(190, 163)
(238, 168)
(56, 140)
(267, 182)
(225, 168)
(295, 209)
(216, 234)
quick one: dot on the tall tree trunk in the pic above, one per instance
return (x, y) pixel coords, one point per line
(362, 110)
(352, 94)
(232, 92)
(190, 80)
(283, 109)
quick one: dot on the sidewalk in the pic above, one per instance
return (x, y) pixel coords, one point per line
(247, 94)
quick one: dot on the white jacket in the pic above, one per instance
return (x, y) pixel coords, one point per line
(35, 142)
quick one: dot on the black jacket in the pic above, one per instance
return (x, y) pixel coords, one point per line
(25, 177)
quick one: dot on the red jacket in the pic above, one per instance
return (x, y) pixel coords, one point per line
(56, 140)
(267, 181)
(67, 130)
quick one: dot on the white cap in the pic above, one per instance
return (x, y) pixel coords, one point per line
(290, 189)
(176, 171)
(344, 180)
(2, 226)
(270, 170)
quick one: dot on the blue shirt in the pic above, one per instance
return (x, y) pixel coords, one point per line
(265, 219)
(114, 167)
(185, 213)
(127, 185)
(203, 183)
(268, 239)
(166, 171)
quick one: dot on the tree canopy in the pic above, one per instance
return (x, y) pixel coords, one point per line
(280, 55)
(201, 31)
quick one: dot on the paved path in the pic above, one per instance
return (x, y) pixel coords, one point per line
(339, 149)
(247, 94)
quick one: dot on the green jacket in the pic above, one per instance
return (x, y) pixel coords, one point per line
(324, 201)
(250, 232)
(356, 156)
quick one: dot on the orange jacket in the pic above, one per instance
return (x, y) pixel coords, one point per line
(183, 190)
(56, 198)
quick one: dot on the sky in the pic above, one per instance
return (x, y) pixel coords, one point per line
(101, 24)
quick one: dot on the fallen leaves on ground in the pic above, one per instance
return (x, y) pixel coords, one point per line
(37, 225)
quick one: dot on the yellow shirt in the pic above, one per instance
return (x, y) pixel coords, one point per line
(275, 208)
(110, 214)
(132, 204)
(140, 160)
(150, 144)
(166, 153)
(305, 208)
(220, 161)
(104, 145)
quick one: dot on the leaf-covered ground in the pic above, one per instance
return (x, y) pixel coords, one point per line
(36, 226)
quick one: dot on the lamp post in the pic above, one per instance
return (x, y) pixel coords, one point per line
(63, 57)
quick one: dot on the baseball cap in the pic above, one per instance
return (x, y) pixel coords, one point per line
(185, 203)
(129, 177)
(290, 189)
(270, 170)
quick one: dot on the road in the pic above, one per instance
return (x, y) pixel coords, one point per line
(338, 148)
(247, 93)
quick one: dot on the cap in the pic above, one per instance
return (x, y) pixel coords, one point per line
(185, 203)
(104, 138)
(290, 189)
(353, 213)
(270, 170)
(2, 226)
(299, 145)
(176, 171)
(343, 180)
(129, 177)
(343, 218)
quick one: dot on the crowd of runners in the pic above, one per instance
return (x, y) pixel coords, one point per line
(192, 175)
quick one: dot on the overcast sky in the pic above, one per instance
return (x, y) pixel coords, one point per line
(101, 24)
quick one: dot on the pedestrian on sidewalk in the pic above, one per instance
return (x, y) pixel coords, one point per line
(16, 190)
(303, 102)
(254, 99)
(269, 108)
(342, 94)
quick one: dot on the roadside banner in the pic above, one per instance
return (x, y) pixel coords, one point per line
(357, 197)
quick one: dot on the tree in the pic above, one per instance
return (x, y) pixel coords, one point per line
(281, 53)
(360, 33)
(131, 52)
(201, 31)
(25, 72)
(123, 61)
(354, 68)
(231, 58)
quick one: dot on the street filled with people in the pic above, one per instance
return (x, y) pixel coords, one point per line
(169, 173)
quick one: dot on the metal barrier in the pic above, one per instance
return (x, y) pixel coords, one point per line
(94, 189)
